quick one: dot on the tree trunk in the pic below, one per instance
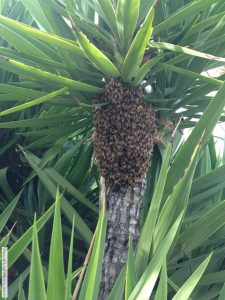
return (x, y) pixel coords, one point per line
(123, 209)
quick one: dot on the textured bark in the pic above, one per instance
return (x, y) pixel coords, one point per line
(124, 209)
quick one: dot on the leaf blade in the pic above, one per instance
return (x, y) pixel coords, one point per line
(127, 10)
(136, 51)
(90, 286)
(146, 284)
(33, 102)
(96, 57)
(56, 276)
(36, 279)
(187, 288)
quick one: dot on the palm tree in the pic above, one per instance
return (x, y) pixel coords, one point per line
(136, 68)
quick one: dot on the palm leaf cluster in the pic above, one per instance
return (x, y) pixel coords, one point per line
(55, 58)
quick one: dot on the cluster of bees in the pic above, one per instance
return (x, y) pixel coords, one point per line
(125, 130)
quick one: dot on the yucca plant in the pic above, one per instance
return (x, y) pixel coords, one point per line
(138, 80)
(210, 220)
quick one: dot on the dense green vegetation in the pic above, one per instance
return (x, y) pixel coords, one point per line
(49, 76)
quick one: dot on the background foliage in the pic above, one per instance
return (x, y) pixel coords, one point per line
(46, 143)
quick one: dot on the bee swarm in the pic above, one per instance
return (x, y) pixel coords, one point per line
(125, 129)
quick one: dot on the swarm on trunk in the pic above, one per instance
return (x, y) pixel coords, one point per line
(125, 129)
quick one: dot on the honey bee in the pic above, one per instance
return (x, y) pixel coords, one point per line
(139, 108)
